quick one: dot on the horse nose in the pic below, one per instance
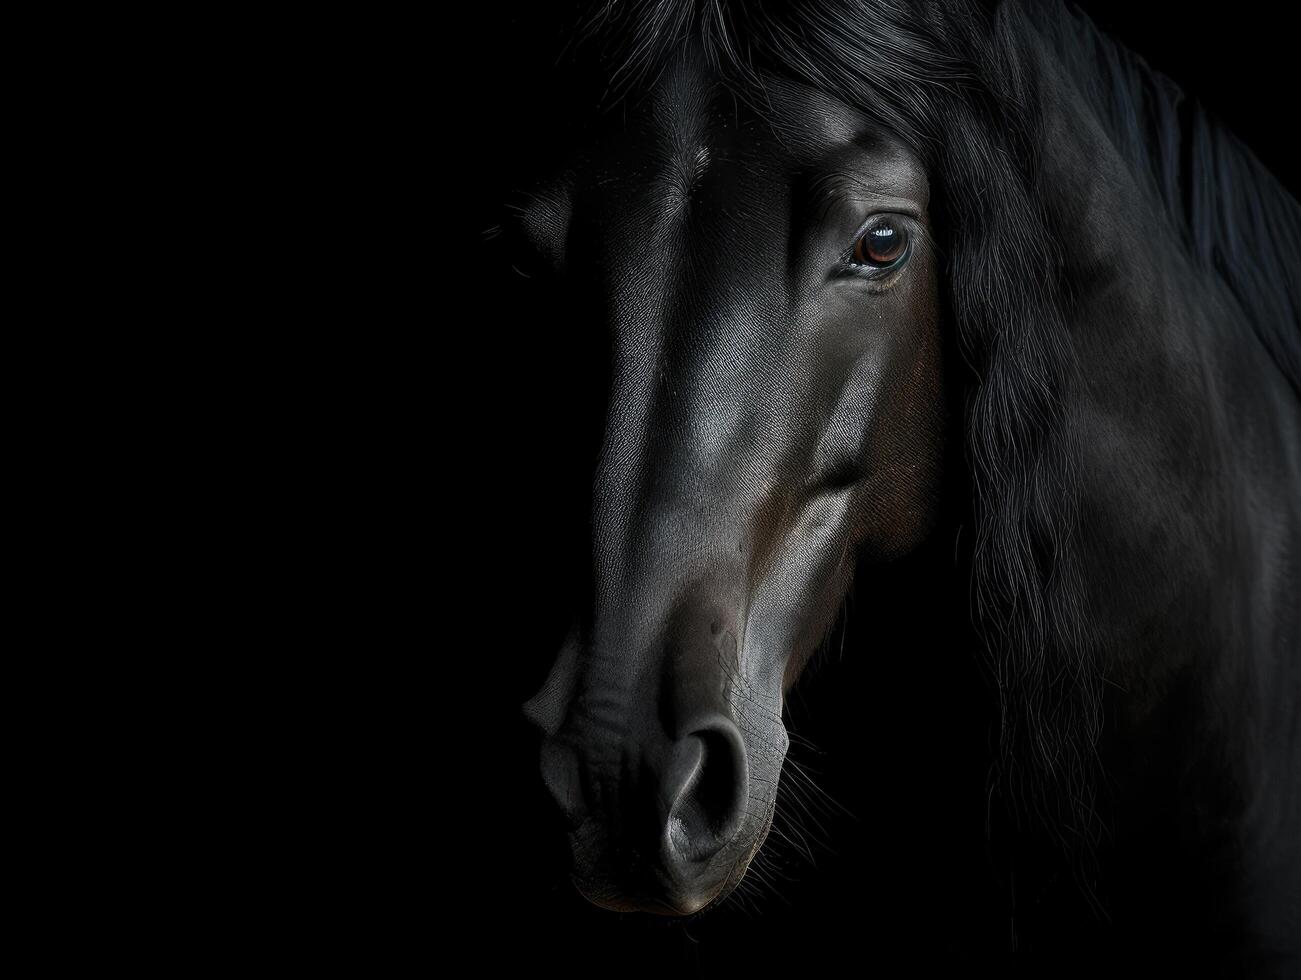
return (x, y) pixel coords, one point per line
(648, 839)
(699, 788)
(643, 757)
(703, 795)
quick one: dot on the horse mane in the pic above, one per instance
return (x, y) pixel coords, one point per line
(950, 80)
(1228, 211)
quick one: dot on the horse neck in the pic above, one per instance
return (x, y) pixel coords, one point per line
(1190, 456)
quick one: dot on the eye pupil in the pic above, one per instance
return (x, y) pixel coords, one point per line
(880, 245)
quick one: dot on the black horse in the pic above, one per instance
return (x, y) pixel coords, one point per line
(961, 280)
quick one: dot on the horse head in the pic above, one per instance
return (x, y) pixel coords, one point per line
(827, 243)
(768, 284)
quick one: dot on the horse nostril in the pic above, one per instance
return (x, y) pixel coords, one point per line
(706, 792)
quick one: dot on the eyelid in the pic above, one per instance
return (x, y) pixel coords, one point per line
(912, 225)
(875, 205)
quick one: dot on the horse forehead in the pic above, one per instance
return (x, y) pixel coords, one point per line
(696, 204)
(699, 184)
(690, 103)
(700, 174)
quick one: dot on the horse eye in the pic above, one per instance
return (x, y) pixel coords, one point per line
(883, 244)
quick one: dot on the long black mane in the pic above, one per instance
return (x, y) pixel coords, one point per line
(1233, 216)
(951, 80)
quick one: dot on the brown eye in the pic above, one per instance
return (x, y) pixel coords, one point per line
(883, 244)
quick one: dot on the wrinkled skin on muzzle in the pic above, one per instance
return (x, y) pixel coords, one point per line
(775, 413)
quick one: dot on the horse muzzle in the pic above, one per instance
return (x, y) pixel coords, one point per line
(651, 769)
(659, 833)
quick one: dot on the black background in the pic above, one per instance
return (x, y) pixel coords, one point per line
(899, 863)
